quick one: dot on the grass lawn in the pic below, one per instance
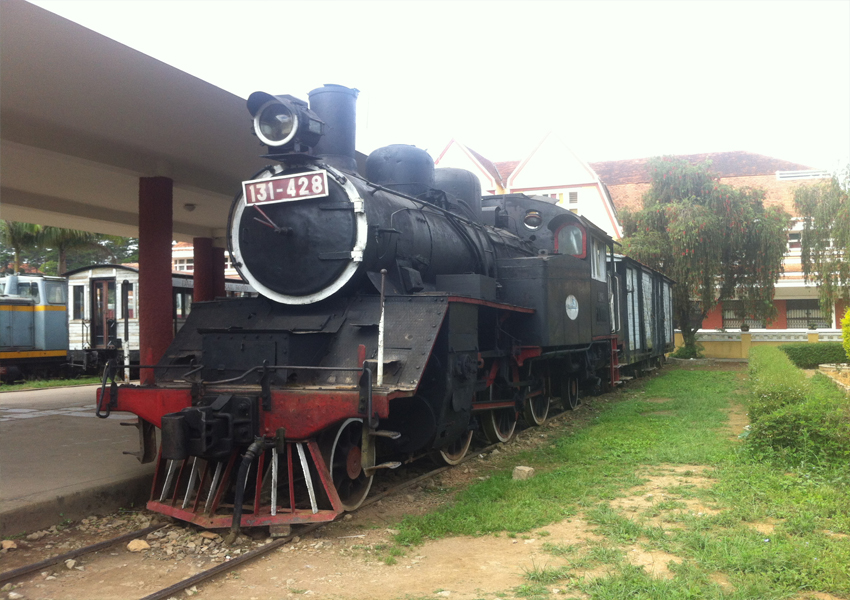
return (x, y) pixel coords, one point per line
(659, 473)
(48, 383)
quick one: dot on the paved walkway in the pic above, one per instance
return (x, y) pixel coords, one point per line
(58, 461)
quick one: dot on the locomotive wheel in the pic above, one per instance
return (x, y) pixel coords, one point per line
(344, 462)
(454, 452)
(499, 425)
(570, 398)
(536, 409)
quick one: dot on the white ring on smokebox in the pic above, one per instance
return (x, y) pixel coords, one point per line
(356, 252)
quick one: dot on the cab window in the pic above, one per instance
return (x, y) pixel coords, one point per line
(29, 290)
(597, 260)
(55, 292)
(570, 239)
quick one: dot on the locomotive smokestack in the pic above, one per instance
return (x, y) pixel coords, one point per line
(335, 105)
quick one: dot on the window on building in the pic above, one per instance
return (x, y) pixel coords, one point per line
(805, 314)
(795, 240)
(184, 264)
(182, 307)
(734, 317)
(78, 297)
(808, 174)
(573, 197)
(131, 300)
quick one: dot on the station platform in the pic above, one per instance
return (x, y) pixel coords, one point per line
(58, 461)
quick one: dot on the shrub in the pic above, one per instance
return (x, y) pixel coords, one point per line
(774, 381)
(796, 418)
(686, 353)
(845, 331)
(809, 356)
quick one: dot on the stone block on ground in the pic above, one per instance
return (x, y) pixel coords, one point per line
(521, 473)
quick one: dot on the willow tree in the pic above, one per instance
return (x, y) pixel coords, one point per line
(716, 241)
(825, 253)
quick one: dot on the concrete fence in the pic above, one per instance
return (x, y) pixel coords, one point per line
(736, 344)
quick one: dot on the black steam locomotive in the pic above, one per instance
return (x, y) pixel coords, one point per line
(399, 313)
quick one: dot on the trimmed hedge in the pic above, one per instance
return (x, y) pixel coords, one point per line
(845, 331)
(793, 417)
(774, 381)
(809, 356)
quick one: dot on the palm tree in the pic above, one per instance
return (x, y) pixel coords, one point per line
(63, 240)
(19, 236)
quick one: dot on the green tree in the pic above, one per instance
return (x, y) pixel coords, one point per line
(108, 249)
(717, 242)
(825, 252)
(19, 237)
(55, 250)
(63, 240)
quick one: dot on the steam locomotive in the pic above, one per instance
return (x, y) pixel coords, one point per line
(399, 313)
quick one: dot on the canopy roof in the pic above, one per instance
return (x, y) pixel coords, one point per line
(82, 117)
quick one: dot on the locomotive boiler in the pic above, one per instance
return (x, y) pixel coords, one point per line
(398, 314)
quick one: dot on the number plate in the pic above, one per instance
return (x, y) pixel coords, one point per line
(300, 186)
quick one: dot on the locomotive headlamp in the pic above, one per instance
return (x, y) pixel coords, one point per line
(533, 219)
(284, 122)
(275, 124)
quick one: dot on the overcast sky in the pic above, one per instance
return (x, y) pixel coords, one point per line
(615, 80)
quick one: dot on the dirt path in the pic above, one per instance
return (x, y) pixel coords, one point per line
(351, 559)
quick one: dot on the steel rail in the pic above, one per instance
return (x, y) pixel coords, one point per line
(220, 568)
(243, 558)
(49, 562)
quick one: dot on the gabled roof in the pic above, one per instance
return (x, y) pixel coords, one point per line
(506, 168)
(629, 180)
(489, 165)
(486, 167)
(724, 164)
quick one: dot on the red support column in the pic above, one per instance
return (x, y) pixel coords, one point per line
(156, 309)
(218, 273)
(204, 287)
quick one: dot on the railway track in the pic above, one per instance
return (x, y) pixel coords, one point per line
(231, 564)
(12, 574)
(241, 559)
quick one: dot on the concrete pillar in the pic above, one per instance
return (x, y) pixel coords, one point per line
(204, 277)
(218, 272)
(155, 296)
(746, 342)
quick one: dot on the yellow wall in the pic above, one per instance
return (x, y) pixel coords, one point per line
(736, 349)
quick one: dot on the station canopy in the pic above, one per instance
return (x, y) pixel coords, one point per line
(83, 117)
